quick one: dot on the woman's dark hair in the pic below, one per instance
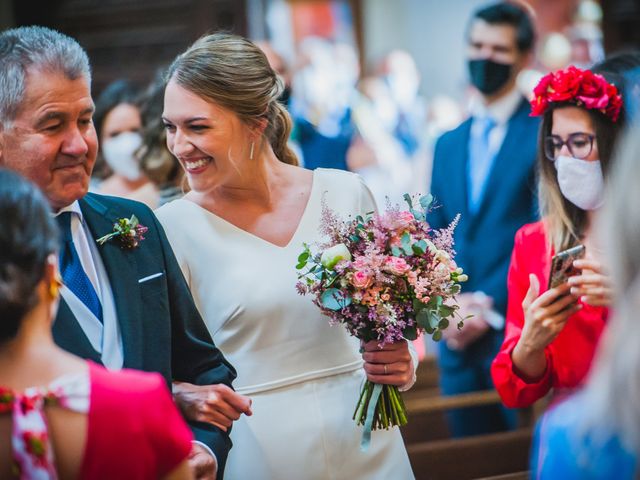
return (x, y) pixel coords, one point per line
(566, 222)
(506, 13)
(116, 93)
(157, 162)
(28, 236)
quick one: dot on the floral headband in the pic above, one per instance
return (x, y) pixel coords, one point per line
(582, 87)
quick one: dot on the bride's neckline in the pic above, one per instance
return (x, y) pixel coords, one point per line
(301, 220)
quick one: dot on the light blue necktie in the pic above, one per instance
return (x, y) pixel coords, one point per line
(480, 161)
(73, 275)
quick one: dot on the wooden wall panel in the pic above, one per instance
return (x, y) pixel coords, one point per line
(133, 38)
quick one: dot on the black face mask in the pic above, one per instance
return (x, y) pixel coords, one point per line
(489, 76)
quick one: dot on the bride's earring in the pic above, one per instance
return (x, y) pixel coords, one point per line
(251, 151)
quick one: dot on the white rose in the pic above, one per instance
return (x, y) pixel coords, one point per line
(331, 256)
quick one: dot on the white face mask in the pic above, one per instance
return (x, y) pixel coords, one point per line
(119, 152)
(581, 182)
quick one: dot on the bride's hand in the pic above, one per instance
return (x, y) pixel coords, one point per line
(391, 365)
(217, 404)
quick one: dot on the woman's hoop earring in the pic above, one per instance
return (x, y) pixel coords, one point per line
(251, 151)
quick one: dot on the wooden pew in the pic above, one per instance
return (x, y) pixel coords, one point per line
(434, 455)
(505, 453)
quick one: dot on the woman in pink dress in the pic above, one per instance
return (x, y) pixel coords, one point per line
(61, 416)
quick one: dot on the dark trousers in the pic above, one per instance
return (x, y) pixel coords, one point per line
(470, 371)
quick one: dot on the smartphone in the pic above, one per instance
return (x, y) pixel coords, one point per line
(562, 265)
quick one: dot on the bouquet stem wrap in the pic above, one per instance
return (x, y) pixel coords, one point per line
(379, 406)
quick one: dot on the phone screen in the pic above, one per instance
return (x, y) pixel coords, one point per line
(562, 265)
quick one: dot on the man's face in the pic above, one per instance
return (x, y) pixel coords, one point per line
(52, 141)
(495, 42)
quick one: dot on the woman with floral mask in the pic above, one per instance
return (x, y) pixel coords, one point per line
(118, 123)
(551, 333)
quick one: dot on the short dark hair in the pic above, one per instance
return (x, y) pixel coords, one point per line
(505, 13)
(28, 236)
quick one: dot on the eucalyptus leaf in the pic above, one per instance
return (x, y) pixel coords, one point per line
(446, 310)
(410, 333)
(304, 256)
(418, 215)
(422, 318)
(437, 335)
(420, 247)
(426, 201)
(444, 323)
(334, 299)
(407, 198)
(434, 319)
(395, 251)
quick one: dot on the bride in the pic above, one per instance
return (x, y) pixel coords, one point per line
(237, 235)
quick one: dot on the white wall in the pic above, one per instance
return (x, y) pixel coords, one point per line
(432, 31)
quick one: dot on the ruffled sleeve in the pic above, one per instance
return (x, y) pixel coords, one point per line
(513, 389)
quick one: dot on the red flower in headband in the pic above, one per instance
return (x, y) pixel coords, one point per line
(582, 87)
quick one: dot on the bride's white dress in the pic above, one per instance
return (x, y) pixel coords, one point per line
(303, 375)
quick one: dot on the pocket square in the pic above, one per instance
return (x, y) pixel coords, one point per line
(150, 277)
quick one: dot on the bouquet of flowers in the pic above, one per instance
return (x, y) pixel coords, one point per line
(385, 277)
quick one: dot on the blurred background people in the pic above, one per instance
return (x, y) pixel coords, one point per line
(323, 90)
(596, 433)
(118, 122)
(552, 334)
(57, 411)
(390, 115)
(485, 170)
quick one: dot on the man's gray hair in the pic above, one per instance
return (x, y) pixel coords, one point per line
(38, 48)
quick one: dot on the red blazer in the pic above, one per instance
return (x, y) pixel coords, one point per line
(569, 356)
(135, 430)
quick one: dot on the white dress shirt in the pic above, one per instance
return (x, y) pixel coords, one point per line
(105, 338)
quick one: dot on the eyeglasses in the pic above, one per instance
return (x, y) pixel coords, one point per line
(579, 145)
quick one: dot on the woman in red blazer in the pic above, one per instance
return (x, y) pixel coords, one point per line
(551, 334)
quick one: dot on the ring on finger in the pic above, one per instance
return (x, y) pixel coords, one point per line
(385, 369)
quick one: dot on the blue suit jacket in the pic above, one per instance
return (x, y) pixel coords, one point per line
(484, 240)
(162, 330)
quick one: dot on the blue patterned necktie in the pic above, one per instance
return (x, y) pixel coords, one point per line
(480, 161)
(73, 275)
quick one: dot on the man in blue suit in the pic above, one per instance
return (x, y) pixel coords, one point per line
(484, 169)
(121, 306)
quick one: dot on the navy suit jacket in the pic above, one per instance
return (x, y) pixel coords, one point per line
(161, 328)
(484, 240)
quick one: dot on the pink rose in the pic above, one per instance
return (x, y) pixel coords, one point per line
(361, 279)
(360, 262)
(405, 220)
(396, 266)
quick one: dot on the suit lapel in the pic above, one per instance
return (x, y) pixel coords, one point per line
(506, 159)
(459, 181)
(69, 335)
(122, 271)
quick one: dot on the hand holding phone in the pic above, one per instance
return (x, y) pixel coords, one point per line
(562, 265)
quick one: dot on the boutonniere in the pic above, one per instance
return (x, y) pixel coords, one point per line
(129, 232)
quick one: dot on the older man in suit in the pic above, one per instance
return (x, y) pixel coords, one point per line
(123, 305)
(484, 169)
